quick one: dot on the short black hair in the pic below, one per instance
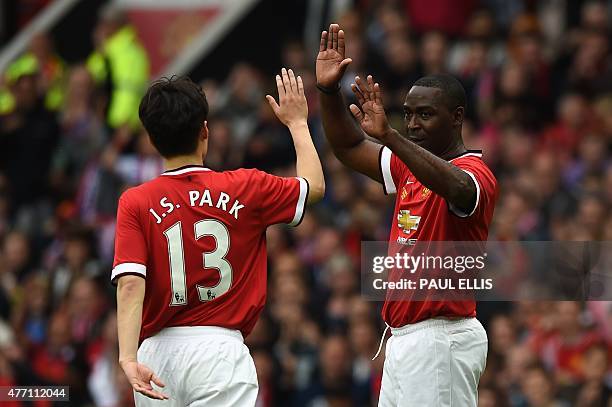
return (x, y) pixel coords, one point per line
(453, 93)
(173, 111)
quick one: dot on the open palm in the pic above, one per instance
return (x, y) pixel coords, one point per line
(371, 117)
(140, 377)
(331, 63)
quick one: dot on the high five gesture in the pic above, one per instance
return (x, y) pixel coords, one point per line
(292, 108)
(371, 117)
(331, 62)
(292, 111)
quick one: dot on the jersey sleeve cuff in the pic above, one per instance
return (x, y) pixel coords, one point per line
(385, 169)
(459, 212)
(123, 269)
(301, 202)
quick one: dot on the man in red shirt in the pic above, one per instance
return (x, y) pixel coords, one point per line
(190, 251)
(445, 193)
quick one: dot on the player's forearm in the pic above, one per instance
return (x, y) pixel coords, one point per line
(308, 165)
(442, 177)
(340, 129)
(130, 297)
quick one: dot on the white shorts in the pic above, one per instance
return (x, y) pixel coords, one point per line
(435, 363)
(200, 366)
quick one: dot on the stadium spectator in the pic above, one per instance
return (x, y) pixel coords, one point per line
(83, 132)
(539, 389)
(104, 382)
(28, 136)
(120, 65)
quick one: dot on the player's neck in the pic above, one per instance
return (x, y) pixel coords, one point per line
(453, 150)
(182, 161)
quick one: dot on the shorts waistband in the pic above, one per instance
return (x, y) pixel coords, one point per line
(181, 332)
(429, 323)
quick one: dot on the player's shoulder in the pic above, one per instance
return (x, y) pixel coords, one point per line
(472, 162)
(473, 159)
(137, 193)
(244, 174)
(474, 156)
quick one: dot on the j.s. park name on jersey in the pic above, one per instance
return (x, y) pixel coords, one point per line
(199, 198)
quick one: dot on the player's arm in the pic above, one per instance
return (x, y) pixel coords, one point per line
(292, 111)
(442, 177)
(129, 274)
(130, 297)
(347, 140)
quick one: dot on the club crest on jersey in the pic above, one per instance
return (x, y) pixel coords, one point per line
(407, 222)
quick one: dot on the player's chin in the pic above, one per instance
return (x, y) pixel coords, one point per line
(419, 141)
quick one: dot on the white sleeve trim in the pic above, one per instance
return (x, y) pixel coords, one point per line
(301, 202)
(131, 268)
(385, 168)
(459, 212)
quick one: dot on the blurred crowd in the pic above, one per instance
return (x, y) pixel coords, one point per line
(539, 83)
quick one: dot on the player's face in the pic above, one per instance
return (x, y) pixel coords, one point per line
(427, 120)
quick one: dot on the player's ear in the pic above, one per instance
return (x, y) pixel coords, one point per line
(458, 116)
(204, 132)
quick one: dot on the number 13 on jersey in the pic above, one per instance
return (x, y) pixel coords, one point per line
(215, 259)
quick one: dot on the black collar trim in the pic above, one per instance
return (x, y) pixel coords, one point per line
(465, 153)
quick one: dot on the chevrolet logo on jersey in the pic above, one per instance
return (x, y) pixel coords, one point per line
(407, 222)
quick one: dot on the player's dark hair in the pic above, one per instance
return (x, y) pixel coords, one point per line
(453, 93)
(173, 111)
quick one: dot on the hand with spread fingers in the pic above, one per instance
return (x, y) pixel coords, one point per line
(331, 63)
(292, 111)
(140, 377)
(371, 116)
(291, 108)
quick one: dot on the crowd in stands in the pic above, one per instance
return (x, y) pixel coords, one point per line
(539, 83)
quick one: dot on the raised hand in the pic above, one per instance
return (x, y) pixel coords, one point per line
(140, 377)
(371, 116)
(293, 109)
(331, 63)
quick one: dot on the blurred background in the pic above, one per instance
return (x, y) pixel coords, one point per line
(539, 81)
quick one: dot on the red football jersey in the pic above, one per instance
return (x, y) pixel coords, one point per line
(422, 215)
(198, 238)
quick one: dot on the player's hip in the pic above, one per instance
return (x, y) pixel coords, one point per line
(189, 332)
(443, 324)
(194, 344)
(202, 363)
(424, 342)
(436, 362)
